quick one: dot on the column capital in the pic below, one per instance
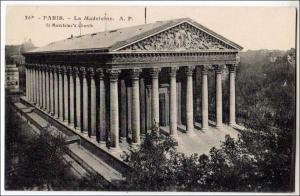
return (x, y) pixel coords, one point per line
(38, 67)
(100, 73)
(204, 69)
(70, 70)
(50, 68)
(91, 71)
(232, 68)
(173, 71)
(219, 68)
(189, 70)
(154, 72)
(60, 69)
(135, 74)
(46, 67)
(113, 74)
(83, 71)
(64, 70)
(76, 71)
(56, 68)
(43, 67)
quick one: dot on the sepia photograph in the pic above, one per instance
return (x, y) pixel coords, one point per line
(138, 98)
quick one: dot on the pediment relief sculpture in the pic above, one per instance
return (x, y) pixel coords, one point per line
(179, 38)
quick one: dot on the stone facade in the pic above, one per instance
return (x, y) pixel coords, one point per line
(121, 94)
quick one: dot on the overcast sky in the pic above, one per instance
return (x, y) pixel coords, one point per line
(252, 28)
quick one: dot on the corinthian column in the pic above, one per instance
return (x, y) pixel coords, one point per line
(173, 103)
(102, 111)
(35, 84)
(44, 87)
(72, 97)
(114, 107)
(85, 108)
(135, 73)
(218, 69)
(204, 98)
(189, 100)
(26, 79)
(38, 91)
(155, 96)
(56, 100)
(47, 89)
(30, 83)
(78, 99)
(66, 95)
(93, 102)
(41, 86)
(51, 89)
(61, 94)
(232, 69)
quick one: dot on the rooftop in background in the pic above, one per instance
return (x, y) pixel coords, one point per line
(110, 40)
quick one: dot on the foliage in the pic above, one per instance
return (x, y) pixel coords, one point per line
(34, 162)
(150, 163)
(42, 153)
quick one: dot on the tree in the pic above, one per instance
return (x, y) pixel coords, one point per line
(42, 163)
(150, 163)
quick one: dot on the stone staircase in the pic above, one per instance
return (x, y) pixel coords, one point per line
(82, 160)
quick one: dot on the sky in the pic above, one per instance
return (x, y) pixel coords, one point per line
(251, 27)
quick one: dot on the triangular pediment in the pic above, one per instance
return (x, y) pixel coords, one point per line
(181, 37)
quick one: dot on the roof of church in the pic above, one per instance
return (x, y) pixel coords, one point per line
(113, 39)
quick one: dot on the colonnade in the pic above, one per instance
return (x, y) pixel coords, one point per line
(63, 92)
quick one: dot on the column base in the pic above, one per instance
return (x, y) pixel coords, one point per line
(123, 139)
(102, 142)
(191, 133)
(204, 128)
(115, 149)
(135, 143)
(232, 124)
(135, 146)
(84, 132)
(77, 129)
(219, 126)
(174, 136)
(71, 125)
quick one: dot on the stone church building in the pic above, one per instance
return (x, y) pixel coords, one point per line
(116, 85)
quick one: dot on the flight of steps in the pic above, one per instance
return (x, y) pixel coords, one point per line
(82, 161)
